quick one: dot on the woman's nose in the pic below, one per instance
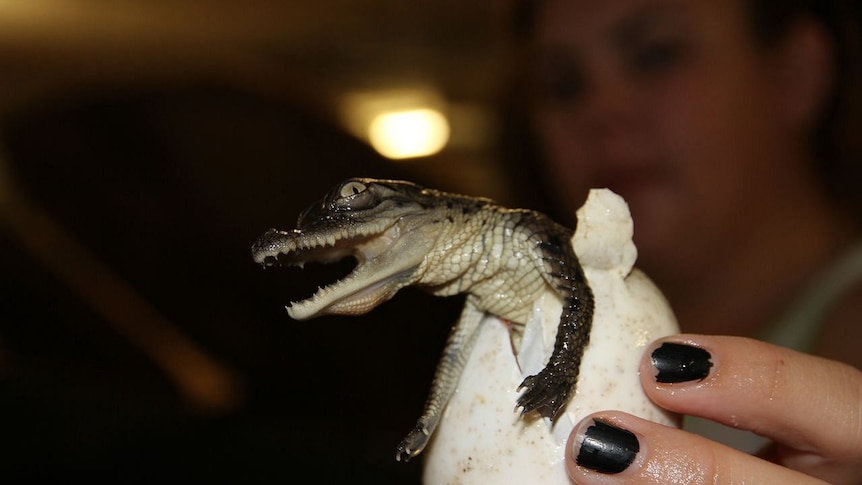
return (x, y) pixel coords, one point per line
(607, 104)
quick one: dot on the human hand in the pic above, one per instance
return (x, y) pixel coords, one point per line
(810, 407)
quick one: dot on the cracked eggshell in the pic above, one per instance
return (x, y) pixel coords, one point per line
(482, 438)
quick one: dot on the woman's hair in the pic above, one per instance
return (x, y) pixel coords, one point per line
(838, 140)
(839, 135)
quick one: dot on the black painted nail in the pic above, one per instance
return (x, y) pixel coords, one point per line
(680, 363)
(607, 448)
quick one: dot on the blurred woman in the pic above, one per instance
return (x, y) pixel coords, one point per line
(731, 129)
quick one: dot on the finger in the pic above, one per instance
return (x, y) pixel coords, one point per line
(810, 406)
(618, 448)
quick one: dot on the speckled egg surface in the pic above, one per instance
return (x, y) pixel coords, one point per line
(482, 438)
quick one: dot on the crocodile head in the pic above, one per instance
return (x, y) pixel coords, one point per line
(381, 223)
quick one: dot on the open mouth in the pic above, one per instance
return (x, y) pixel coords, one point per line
(356, 269)
(299, 281)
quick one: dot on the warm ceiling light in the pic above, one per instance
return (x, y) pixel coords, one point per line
(409, 134)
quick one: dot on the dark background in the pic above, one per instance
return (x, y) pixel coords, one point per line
(143, 150)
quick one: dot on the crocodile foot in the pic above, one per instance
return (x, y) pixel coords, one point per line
(547, 392)
(413, 444)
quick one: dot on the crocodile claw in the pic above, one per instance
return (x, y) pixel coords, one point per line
(413, 444)
(547, 392)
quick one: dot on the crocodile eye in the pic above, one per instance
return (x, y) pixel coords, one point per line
(354, 195)
(352, 188)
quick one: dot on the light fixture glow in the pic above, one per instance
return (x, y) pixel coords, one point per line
(409, 134)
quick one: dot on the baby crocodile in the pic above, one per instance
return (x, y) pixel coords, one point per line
(402, 234)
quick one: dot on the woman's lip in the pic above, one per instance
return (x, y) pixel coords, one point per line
(631, 181)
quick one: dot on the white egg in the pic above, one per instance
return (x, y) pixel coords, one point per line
(482, 438)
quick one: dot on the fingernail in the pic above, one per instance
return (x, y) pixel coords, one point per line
(680, 363)
(606, 448)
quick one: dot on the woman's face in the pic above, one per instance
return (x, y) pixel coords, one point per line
(671, 104)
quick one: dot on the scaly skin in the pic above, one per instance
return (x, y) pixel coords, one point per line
(402, 234)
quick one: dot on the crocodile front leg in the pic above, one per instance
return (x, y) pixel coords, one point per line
(449, 370)
(550, 390)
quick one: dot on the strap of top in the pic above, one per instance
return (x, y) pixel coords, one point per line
(800, 325)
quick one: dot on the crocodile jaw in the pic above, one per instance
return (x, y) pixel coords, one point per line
(378, 275)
